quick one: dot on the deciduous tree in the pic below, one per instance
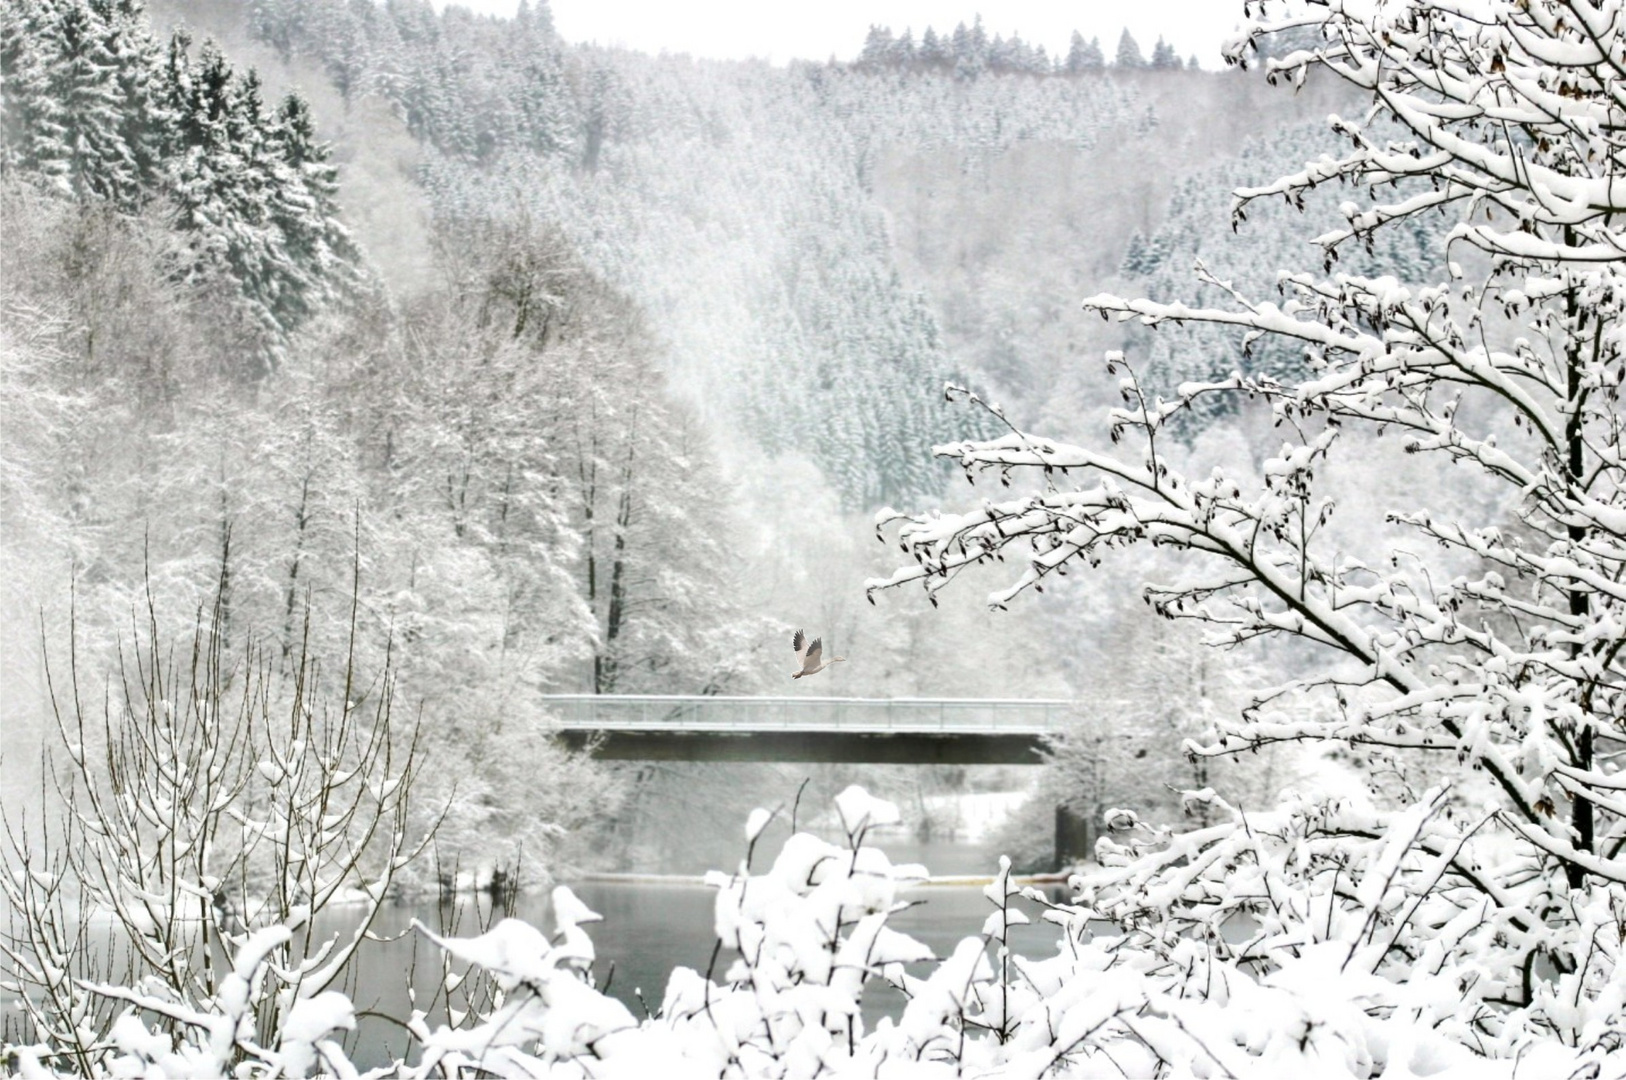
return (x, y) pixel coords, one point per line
(1478, 671)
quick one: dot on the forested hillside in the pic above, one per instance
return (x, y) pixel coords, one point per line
(571, 368)
(819, 246)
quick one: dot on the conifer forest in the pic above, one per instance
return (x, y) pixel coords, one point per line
(385, 386)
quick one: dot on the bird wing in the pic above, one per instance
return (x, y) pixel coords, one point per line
(799, 643)
(810, 662)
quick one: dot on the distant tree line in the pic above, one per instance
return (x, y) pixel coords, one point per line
(969, 52)
(472, 86)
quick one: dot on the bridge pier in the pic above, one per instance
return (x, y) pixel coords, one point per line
(1073, 839)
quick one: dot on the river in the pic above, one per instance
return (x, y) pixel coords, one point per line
(651, 926)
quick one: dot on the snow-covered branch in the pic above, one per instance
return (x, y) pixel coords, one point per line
(1498, 659)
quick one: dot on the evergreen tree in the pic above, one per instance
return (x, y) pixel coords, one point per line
(1129, 56)
(255, 196)
(216, 197)
(902, 52)
(74, 141)
(24, 104)
(303, 206)
(1164, 57)
(1134, 264)
(137, 61)
(545, 114)
(534, 21)
(1084, 56)
(1075, 54)
(1002, 54)
(978, 41)
(932, 48)
(517, 95)
(877, 46)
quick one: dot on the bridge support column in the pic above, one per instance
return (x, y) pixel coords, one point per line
(1072, 837)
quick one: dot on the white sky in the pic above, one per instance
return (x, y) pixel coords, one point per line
(781, 30)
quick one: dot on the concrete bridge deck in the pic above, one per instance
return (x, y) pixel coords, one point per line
(919, 731)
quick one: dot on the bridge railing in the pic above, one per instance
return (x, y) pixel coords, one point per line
(647, 712)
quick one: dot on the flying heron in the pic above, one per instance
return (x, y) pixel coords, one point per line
(809, 655)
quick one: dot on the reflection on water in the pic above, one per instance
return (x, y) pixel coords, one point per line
(648, 929)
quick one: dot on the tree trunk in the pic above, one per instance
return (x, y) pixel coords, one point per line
(1581, 818)
(605, 664)
(301, 524)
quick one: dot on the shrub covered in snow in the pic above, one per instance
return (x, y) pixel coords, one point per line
(211, 808)
(1259, 993)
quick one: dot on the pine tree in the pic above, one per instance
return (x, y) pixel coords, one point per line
(877, 46)
(1075, 54)
(1164, 57)
(256, 197)
(902, 52)
(547, 117)
(1134, 264)
(303, 207)
(137, 62)
(1002, 54)
(932, 49)
(1129, 56)
(535, 22)
(23, 101)
(1084, 56)
(349, 61)
(76, 142)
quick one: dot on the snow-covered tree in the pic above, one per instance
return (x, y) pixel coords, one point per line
(1196, 229)
(1164, 57)
(903, 49)
(1477, 674)
(81, 103)
(302, 205)
(95, 110)
(77, 143)
(932, 49)
(878, 44)
(204, 800)
(562, 456)
(1084, 56)
(470, 86)
(1129, 56)
(1150, 689)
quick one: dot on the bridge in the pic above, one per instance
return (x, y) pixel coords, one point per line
(887, 731)
(891, 731)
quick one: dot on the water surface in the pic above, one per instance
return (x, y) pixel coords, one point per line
(651, 926)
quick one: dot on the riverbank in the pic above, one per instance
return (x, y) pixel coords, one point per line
(944, 880)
